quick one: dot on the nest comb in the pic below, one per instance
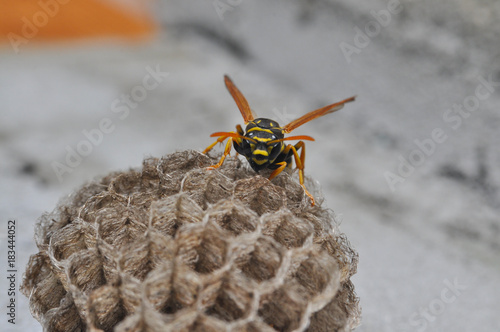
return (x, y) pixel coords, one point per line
(174, 247)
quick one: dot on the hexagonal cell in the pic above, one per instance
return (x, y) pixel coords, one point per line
(183, 161)
(84, 271)
(260, 195)
(233, 168)
(339, 247)
(126, 184)
(170, 184)
(122, 225)
(159, 291)
(49, 223)
(233, 216)
(101, 201)
(296, 198)
(203, 247)
(193, 185)
(323, 221)
(232, 299)
(64, 318)
(143, 200)
(283, 309)
(315, 272)
(331, 318)
(263, 261)
(287, 229)
(172, 287)
(217, 187)
(105, 308)
(79, 198)
(169, 214)
(341, 314)
(42, 285)
(172, 170)
(150, 178)
(67, 240)
(108, 255)
(146, 253)
(131, 292)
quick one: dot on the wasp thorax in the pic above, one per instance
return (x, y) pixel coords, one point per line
(174, 247)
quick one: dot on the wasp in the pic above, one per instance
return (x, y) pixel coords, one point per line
(262, 142)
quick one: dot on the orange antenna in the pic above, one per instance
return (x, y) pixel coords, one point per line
(232, 134)
(304, 137)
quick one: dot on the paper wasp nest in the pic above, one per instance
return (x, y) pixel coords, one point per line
(174, 247)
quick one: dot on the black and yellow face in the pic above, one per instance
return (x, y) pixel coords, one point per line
(262, 152)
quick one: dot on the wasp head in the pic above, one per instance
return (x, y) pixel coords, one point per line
(262, 137)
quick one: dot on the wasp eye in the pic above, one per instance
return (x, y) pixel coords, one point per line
(273, 137)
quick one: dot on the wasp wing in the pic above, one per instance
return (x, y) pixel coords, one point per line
(240, 100)
(316, 114)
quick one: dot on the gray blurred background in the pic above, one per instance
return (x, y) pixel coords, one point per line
(411, 168)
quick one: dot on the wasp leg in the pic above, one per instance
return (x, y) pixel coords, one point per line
(221, 139)
(299, 162)
(227, 149)
(278, 170)
(210, 147)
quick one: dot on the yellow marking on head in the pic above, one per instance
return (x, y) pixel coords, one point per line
(259, 162)
(259, 129)
(262, 152)
(269, 149)
(258, 121)
(271, 124)
(261, 139)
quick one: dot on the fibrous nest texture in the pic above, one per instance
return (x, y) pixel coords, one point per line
(177, 247)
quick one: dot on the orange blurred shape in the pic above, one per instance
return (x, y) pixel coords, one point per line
(38, 20)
